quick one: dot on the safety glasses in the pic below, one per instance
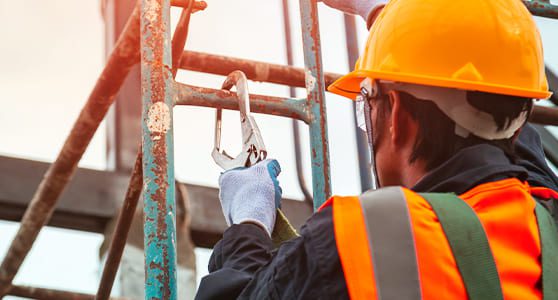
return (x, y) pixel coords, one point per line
(362, 105)
(368, 91)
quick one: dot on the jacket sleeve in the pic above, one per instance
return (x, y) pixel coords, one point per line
(531, 156)
(243, 265)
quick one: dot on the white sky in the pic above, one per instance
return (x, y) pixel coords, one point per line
(51, 54)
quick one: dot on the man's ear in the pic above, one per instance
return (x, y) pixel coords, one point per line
(401, 128)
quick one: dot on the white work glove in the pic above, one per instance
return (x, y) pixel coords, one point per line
(251, 194)
(364, 8)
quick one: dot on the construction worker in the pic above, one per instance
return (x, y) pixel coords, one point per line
(444, 89)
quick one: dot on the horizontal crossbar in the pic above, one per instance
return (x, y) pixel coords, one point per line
(199, 96)
(254, 70)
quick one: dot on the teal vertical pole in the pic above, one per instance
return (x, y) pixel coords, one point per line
(158, 161)
(315, 87)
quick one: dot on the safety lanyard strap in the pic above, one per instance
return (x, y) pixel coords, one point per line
(469, 245)
(549, 250)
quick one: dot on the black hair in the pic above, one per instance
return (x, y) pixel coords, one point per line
(436, 140)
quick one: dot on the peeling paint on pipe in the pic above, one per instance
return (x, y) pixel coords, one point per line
(158, 151)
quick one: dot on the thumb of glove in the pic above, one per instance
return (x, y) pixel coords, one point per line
(274, 170)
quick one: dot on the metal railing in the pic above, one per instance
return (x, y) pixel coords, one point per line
(146, 39)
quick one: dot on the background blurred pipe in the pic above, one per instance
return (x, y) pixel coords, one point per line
(292, 93)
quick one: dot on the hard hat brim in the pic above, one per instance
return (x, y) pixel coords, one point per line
(349, 85)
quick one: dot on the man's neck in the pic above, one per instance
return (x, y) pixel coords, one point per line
(413, 173)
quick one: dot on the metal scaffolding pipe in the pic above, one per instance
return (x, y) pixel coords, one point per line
(544, 115)
(198, 5)
(254, 70)
(122, 58)
(542, 8)
(315, 87)
(292, 93)
(133, 192)
(121, 230)
(363, 152)
(49, 294)
(158, 155)
(180, 36)
(199, 96)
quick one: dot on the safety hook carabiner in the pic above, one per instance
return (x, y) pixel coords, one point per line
(253, 148)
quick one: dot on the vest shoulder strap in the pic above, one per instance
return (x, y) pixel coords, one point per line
(469, 245)
(549, 250)
(388, 228)
(391, 243)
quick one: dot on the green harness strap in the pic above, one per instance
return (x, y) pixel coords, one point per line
(472, 252)
(469, 245)
(549, 251)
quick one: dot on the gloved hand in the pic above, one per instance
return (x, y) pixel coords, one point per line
(251, 194)
(364, 8)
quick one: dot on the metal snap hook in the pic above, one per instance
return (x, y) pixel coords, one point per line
(253, 148)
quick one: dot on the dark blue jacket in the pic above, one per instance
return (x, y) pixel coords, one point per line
(243, 264)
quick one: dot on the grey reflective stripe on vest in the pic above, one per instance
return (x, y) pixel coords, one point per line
(392, 244)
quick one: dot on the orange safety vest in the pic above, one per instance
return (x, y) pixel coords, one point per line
(418, 259)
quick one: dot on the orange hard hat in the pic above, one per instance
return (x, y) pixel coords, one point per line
(480, 45)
